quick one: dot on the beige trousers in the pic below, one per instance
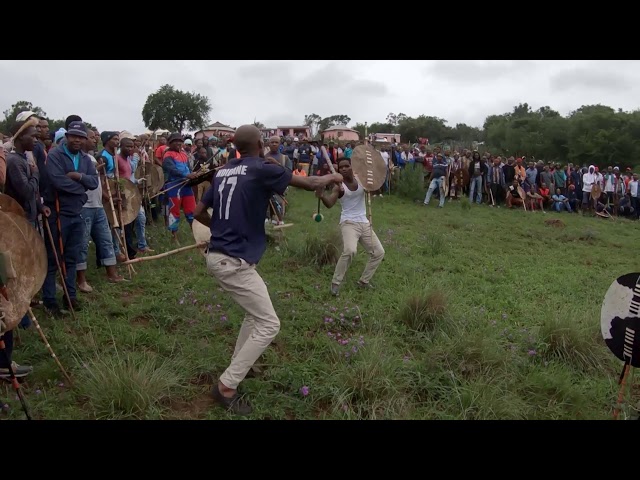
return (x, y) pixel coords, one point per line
(261, 324)
(352, 233)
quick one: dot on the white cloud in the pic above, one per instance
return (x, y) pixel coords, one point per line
(110, 94)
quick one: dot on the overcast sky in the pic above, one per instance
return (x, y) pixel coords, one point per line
(111, 94)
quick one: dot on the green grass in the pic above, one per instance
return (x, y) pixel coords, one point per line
(478, 313)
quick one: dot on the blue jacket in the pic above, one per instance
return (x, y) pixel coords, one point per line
(71, 194)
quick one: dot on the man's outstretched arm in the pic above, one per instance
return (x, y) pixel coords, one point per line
(315, 182)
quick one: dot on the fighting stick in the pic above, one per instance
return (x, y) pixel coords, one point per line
(165, 254)
(122, 233)
(62, 275)
(46, 343)
(12, 375)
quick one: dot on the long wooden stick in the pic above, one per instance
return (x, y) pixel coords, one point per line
(122, 232)
(623, 385)
(165, 254)
(113, 208)
(62, 275)
(46, 343)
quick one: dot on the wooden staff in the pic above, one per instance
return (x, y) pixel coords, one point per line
(623, 384)
(108, 187)
(46, 343)
(62, 275)
(113, 208)
(122, 233)
(165, 254)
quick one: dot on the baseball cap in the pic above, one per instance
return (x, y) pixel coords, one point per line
(78, 129)
(23, 116)
(188, 142)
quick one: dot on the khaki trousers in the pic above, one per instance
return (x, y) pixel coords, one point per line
(261, 324)
(352, 233)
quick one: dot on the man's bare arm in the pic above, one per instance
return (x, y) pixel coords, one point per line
(201, 214)
(315, 182)
(331, 199)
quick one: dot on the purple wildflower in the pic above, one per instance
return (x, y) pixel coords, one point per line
(181, 301)
(209, 308)
(61, 385)
(223, 318)
(304, 391)
(38, 392)
(531, 353)
(406, 358)
(354, 349)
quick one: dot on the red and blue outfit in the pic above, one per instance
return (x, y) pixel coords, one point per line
(176, 169)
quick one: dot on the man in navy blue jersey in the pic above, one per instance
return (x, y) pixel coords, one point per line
(239, 196)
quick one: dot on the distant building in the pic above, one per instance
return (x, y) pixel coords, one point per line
(389, 137)
(340, 133)
(300, 131)
(216, 129)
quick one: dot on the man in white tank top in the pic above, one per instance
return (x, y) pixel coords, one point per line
(354, 225)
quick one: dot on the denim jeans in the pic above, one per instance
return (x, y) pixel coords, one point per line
(476, 187)
(96, 228)
(141, 222)
(559, 206)
(128, 236)
(72, 238)
(435, 183)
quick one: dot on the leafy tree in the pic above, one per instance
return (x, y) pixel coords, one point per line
(175, 110)
(10, 114)
(395, 120)
(313, 122)
(332, 121)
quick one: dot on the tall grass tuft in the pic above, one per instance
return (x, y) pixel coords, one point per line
(410, 184)
(127, 386)
(321, 250)
(562, 337)
(423, 312)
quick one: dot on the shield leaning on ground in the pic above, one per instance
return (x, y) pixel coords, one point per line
(131, 204)
(24, 265)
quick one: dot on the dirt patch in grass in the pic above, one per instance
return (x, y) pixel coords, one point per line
(193, 408)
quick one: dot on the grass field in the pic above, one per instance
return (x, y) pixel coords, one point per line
(478, 313)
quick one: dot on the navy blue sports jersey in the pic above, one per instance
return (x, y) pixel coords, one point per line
(239, 197)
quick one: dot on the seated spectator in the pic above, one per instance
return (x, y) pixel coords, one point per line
(560, 202)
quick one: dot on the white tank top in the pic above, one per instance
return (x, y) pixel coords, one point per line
(353, 206)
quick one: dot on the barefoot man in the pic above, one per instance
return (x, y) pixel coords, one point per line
(239, 196)
(354, 225)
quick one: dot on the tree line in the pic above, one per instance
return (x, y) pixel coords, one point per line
(9, 120)
(591, 134)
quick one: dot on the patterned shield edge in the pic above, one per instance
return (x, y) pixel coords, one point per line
(23, 248)
(368, 165)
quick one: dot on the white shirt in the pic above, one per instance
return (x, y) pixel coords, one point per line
(633, 188)
(353, 205)
(385, 157)
(94, 197)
